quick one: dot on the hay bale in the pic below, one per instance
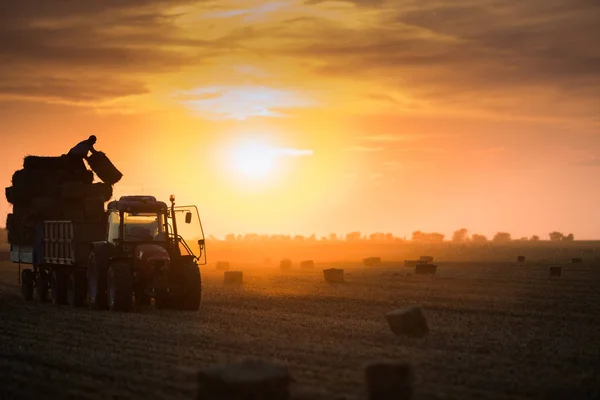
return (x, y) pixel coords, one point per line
(308, 264)
(555, 271)
(76, 214)
(77, 190)
(389, 381)
(285, 264)
(9, 194)
(372, 261)
(48, 163)
(93, 208)
(426, 259)
(408, 321)
(103, 190)
(521, 259)
(425, 269)
(233, 277)
(248, 380)
(333, 275)
(104, 168)
(223, 265)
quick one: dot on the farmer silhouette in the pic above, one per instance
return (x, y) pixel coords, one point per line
(81, 150)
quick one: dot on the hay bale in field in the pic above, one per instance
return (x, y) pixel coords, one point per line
(425, 269)
(577, 260)
(389, 381)
(307, 264)
(223, 265)
(248, 380)
(372, 261)
(408, 321)
(233, 277)
(285, 264)
(104, 168)
(333, 275)
(521, 259)
(426, 259)
(555, 271)
(48, 163)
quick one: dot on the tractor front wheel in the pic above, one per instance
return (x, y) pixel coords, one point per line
(27, 284)
(192, 288)
(120, 287)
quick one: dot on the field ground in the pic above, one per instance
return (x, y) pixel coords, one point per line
(498, 331)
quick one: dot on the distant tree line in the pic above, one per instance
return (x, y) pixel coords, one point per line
(459, 236)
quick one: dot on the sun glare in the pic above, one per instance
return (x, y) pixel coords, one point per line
(254, 160)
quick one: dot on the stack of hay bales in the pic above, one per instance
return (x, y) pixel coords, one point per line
(52, 188)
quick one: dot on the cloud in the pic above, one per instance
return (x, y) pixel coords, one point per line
(363, 149)
(591, 162)
(293, 152)
(242, 102)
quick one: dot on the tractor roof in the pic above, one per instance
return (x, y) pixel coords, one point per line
(138, 204)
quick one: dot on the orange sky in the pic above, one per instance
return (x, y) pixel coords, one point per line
(406, 114)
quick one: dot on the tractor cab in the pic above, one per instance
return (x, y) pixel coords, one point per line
(136, 220)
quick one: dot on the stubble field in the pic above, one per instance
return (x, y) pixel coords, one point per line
(497, 331)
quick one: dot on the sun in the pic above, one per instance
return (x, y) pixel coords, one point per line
(254, 160)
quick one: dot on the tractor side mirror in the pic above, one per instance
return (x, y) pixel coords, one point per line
(201, 243)
(188, 218)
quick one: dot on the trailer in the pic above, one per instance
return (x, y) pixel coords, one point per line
(133, 255)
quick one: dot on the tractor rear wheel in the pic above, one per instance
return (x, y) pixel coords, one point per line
(120, 287)
(58, 286)
(96, 281)
(27, 284)
(41, 285)
(192, 288)
(76, 292)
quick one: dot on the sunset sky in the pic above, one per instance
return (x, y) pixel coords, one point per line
(320, 116)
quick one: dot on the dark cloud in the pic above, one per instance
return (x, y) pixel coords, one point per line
(466, 49)
(107, 40)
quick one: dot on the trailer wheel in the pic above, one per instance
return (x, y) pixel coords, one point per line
(120, 287)
(76, 292)
(27, 284)
(41, 285)
(58, 286)
(96, 280)
(192, 288)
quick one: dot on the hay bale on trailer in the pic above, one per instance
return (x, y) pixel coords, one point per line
(333, 275)
(308, 264)
(425, 269)
(555, 271)
(577, 260)
(285, 264)
(222, 265)
(233, 277)
(408, 321)
(48, 163)
(248, 380)
(389, 381)
(104, 168)
(93, 208)
(103, 190)
(372, 261)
